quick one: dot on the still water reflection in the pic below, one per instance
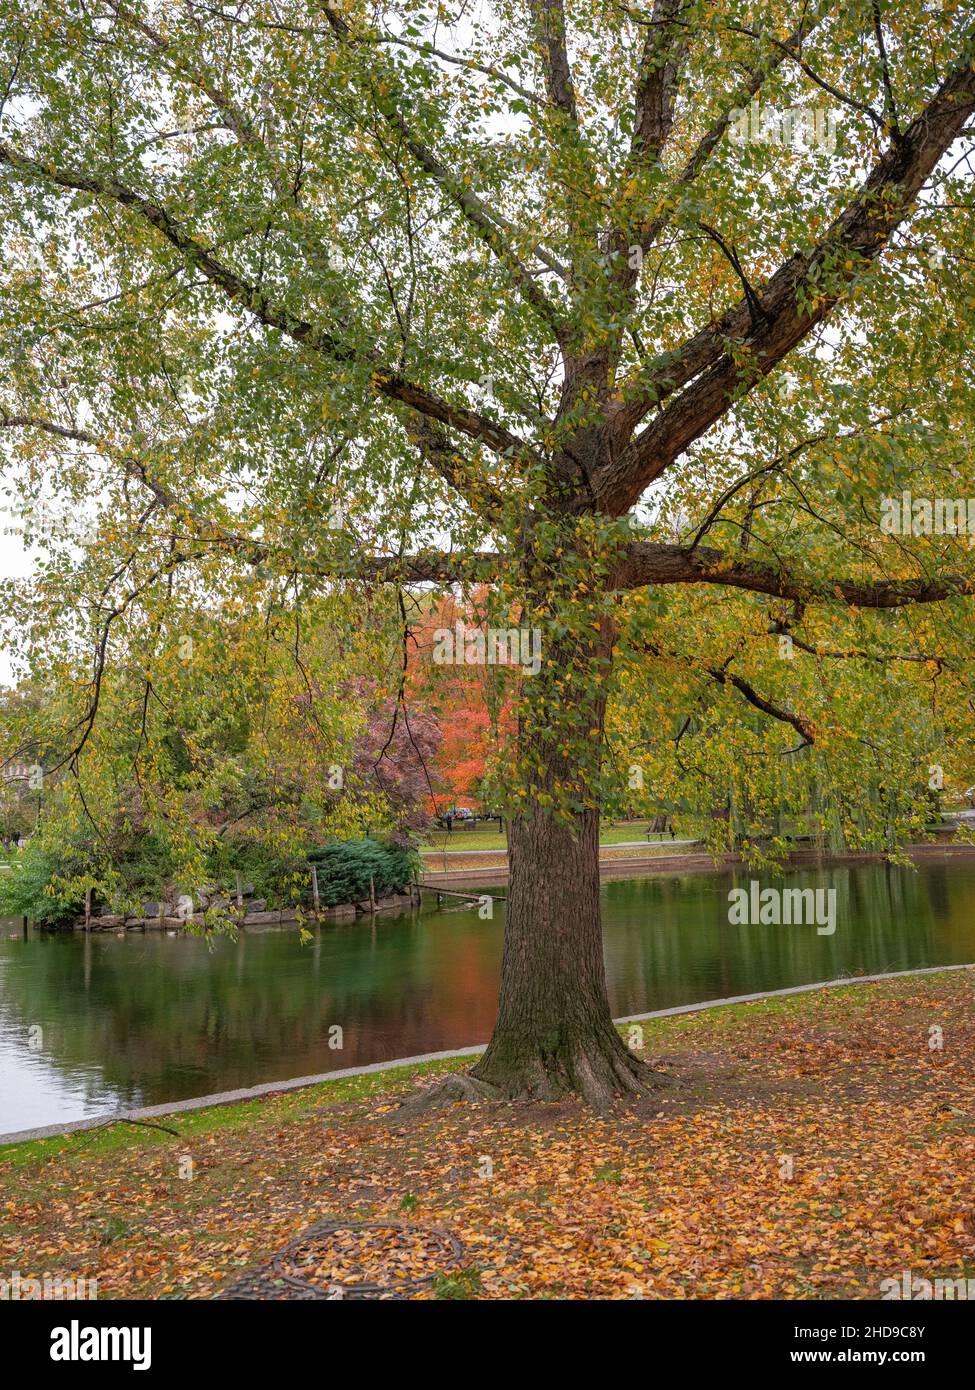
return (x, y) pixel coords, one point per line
(143, 1019)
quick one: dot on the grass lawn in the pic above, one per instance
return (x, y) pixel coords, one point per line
(438, 840)
(806, 1147)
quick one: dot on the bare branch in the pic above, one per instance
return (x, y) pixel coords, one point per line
(650, 562)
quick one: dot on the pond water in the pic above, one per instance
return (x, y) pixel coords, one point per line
(93, 1023)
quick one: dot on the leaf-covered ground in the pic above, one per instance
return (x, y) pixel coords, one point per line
(803, 1148)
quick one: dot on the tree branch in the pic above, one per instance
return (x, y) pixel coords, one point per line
(793, 301)
(723, 676)
(650, 562)
(549, 16)
(783, 628)
(656, 89)
(477, 213)
(424, 567)
(711, 138)
(383, 380)
(801, 725)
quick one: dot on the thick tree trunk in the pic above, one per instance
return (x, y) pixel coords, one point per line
(554, 1032)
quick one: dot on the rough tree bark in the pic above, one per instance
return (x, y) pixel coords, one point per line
(554, 1032)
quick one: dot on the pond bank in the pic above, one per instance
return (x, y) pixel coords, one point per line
(488, 868)
(278, 917)
(694, 861)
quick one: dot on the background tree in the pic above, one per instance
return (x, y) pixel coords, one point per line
(304, 290)
(470, 701)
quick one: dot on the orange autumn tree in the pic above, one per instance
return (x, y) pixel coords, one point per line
(466, 700)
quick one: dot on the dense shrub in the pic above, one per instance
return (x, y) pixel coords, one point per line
(24, 890)
(344, 870)
(141, 863)
(280, 879)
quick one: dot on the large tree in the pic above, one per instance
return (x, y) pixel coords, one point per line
(365, 294)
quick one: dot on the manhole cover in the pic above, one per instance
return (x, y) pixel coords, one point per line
(366, 1258)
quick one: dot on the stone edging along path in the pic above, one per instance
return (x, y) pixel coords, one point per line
(181, 1107)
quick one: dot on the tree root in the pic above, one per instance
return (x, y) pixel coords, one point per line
(620, 1076)
(600, 1082)
(459, 1086)
(602, 1070)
